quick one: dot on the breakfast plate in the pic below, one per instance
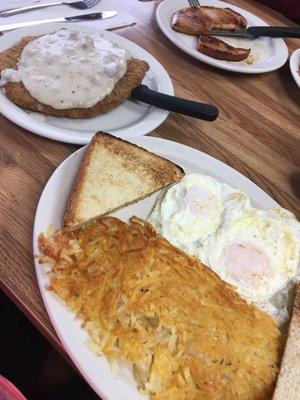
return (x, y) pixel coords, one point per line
(131, 118)
(295, 66)
(266, 54)
(108, 384)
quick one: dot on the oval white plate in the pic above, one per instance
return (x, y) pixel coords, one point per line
(50, 210)
(295, 66)
(272, 53)
(131, 118)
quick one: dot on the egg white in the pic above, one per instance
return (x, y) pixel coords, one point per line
(194, 208)
(257, 251)
(257, 254)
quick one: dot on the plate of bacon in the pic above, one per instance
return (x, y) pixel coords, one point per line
(184, 25)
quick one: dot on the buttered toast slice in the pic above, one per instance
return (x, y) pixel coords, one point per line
(115, 173)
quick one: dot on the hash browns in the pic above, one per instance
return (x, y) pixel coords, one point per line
(188, 334)
(16, 92)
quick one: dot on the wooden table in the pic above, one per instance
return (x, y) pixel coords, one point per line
(257, 133)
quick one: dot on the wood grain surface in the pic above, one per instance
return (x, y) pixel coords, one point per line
(257, 133)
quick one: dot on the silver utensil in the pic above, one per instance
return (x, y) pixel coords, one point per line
(253, 32)
(81, 5)
(75, 18)
(194, 3)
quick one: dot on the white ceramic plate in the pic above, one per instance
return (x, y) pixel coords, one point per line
(268, 54)
(131, 118)
(51, 207)
(295, 66)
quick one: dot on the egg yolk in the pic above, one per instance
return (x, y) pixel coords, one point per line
(197, 201)
(247, 265)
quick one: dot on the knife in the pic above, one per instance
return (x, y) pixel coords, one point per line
(75, 18)
(253, 32)
(171, 103)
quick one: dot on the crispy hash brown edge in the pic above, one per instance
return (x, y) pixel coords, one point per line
(17, 93)
(265, 333)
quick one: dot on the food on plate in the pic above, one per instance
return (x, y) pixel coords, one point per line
(288, 382)
(193, 209)
(185, 332)
(259, 255)
(115, 173)
(203, 19)
(196, 20)
(257, 251)
(221, 50)
(69, 74)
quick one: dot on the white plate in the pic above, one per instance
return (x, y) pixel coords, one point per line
(51, 207)
(131, 118)
(295, 66)
(271, 54)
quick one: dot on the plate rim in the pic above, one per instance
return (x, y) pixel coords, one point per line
(293, 66)
(158, 145)
(17, 115)
(214, 62)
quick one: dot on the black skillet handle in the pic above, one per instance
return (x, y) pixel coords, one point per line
(275, 31)
(175, 104)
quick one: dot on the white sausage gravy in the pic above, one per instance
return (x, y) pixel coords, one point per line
(69, 69)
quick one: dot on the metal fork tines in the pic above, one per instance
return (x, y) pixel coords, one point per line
(83, 4)
(194, 3)
(79, 4)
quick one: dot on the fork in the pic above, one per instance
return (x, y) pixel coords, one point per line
(81, 5)
(194, 3)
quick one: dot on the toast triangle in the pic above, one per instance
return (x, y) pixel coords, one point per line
(113, 174)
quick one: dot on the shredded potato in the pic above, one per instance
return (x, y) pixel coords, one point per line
(187, 334)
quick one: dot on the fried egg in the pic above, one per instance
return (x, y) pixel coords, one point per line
(256, 251)
(257, 254)
(193, 209)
